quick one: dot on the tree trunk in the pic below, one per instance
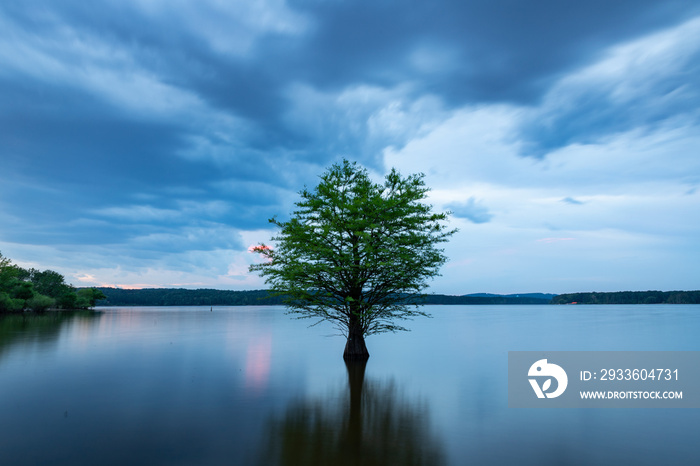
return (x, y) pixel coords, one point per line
(355, 348)
(353, 439)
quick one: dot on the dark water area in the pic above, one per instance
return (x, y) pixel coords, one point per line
(251, 386)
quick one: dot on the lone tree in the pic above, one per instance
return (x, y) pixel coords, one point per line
(356, 253)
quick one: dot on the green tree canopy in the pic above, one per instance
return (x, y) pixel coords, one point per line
(49, 283)
(10, 286)
(86, 297)
(357, 253)
(22, 289)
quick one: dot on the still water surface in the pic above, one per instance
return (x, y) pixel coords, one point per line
(251, 386)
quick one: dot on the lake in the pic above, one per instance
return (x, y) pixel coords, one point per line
(252, 386)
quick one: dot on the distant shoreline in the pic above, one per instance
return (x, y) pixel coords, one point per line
(212, 297)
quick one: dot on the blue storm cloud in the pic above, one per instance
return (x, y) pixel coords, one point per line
(472, 210)
(572, 201)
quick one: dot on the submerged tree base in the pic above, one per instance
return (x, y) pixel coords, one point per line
(356, 350)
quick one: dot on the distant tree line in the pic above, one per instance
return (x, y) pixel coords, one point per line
(480, 300)
(183, 297)
(630, 297)
(40, 326)
(210, 297)
(31, 289)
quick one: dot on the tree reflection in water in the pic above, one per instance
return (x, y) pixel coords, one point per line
(30, 329)
(374, 425)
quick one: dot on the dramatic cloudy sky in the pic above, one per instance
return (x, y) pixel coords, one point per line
(147, 142)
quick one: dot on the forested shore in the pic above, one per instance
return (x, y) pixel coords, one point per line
(213, 297)
(630, 297)
(35, 290)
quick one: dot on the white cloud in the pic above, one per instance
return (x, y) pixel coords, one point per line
(86, 62)
(631, 218)
(636, 69)
(648, 84)
(113, 73)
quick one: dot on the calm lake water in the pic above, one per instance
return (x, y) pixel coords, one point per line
(251, 386)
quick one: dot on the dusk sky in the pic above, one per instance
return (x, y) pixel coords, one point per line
(145, 143)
